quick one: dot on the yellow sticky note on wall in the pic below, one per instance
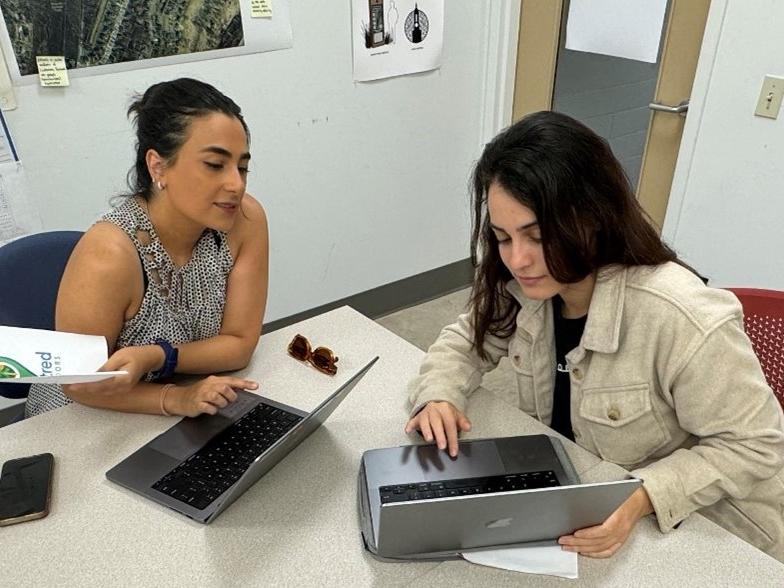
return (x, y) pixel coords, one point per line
(52, 71)
(261, 8)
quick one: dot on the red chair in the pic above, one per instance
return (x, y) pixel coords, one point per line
(763, 314)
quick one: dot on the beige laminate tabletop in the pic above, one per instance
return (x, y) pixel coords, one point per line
(298, 525)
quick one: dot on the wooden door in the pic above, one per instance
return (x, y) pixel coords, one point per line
(541, 49)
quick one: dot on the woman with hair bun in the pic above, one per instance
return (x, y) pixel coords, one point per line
(175, 276)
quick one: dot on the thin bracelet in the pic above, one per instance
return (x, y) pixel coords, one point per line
(164, 390)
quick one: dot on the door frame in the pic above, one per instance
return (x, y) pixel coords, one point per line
(699, 95)
(677, 72)
(532, 72)
(537, 56)
(499, 68)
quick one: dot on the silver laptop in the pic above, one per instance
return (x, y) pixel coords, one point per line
(201, 465)
(416, 502)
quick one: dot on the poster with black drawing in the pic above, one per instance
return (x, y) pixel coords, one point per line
(396, 37)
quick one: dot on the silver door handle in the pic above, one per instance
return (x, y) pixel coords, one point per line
(681, 109)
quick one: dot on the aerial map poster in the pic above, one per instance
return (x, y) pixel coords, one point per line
(100, 36)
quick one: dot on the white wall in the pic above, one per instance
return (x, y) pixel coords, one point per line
(726, 210)
(364, 184)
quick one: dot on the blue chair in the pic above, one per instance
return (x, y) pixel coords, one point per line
(31, 269)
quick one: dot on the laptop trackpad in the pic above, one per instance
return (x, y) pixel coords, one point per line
(475, 459)
(529, 453)
(191, 434)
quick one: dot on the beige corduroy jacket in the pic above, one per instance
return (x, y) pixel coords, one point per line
(664, 383)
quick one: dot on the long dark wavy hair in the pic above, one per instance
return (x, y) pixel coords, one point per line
(163, 115)
(585, 207)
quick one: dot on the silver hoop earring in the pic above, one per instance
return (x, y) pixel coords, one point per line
(159, 185)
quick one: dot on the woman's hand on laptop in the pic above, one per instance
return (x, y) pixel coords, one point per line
(205, 396)
(605, 539)
(442, 422)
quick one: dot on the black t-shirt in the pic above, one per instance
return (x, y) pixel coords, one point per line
(567, 336)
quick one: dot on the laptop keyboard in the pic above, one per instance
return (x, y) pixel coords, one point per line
(467, 486)
(209, 472)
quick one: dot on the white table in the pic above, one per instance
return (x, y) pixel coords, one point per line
(298, 525)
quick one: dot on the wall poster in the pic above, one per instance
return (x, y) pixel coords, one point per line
(103, 36)
(396, 37)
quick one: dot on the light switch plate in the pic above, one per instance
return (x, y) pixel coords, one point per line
(769, 102)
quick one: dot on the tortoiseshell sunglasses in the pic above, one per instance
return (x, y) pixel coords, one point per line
(320, 358)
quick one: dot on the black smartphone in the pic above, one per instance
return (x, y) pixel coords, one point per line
(25, 487)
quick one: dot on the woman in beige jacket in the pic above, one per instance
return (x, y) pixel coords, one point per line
(615, 343)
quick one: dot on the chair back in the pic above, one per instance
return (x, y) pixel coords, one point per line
(31, 268)
(763, 317)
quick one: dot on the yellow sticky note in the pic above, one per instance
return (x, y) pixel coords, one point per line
(261, 8)
(52, 71)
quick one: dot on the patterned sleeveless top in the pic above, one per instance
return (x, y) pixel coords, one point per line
(180, 304)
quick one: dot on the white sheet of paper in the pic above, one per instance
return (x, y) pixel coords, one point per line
(69, 379)
(396, 37)
(7, 147)
(549, 560)
(36, 356)
(616, 27)
(10, 227)
(18, 214)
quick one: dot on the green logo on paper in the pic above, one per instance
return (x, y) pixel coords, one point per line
(13, 369)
